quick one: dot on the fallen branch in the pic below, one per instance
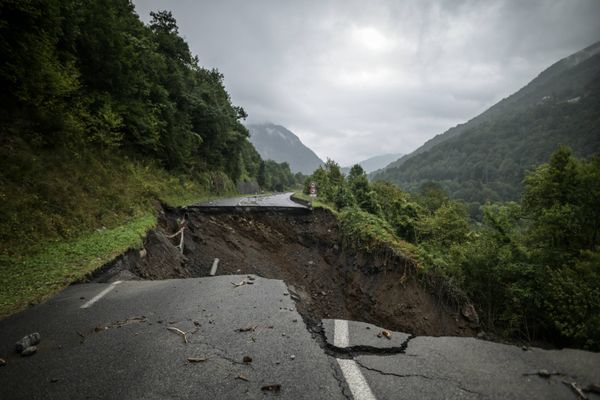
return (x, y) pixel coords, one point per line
(576, 389)
(175, 234)
(180, 231)
(178, 331)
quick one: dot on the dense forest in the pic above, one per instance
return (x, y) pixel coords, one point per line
(531, 267)
(101, 115)
(487, 158)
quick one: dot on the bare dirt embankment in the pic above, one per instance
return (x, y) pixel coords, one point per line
(305, 251)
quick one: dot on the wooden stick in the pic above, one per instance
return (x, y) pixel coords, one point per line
(175, 234)
(576, 389)
(178, 331)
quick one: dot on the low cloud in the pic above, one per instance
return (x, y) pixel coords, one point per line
(355, 79)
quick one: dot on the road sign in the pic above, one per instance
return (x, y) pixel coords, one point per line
(313, 189)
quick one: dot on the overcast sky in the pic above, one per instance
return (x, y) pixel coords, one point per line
(354, 79)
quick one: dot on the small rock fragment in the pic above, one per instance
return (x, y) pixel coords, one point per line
(292, 357)
(2, 362)
(249, 328)
(29, 351)
(247, 359)
(30, 340)
(271, 388)
(544, 373)
(387, 334)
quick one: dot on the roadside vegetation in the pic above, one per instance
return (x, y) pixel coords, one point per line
(531, 267)
(103, 117)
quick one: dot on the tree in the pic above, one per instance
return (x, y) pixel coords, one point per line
(261, 178)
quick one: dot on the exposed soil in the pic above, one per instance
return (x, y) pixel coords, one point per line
(305, 251)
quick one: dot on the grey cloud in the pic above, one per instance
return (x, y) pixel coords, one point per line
(354, 79)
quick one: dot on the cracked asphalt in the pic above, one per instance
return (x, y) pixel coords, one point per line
(120, 347)
(240, 336)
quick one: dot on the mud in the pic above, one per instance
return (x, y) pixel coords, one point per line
(305, 251)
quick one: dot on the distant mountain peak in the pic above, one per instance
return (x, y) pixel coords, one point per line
(276, 142)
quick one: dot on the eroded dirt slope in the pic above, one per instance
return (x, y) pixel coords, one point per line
(305, 251)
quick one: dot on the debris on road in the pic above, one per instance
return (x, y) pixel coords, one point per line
(250, 328)
(242, 377)
(387, 334)
(179, 332)
(576, 389)
(29, 351)
(30, 340)
(271, 388)
(242, 283)
(247, 359)
(196, 359)
(544, 373)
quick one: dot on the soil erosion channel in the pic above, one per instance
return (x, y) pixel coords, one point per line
(305, 251)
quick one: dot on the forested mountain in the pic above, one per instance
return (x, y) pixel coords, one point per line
(102, 115)
(376, 162)
(274, 142)
(486, 158)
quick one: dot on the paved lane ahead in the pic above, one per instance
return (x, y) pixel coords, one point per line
(273, 200)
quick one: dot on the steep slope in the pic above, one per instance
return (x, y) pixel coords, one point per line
(560, 81)
(274, 142)
(376, 162)
(486, 158)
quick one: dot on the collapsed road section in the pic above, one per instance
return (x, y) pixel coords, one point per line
(304, 249)
(134, 333)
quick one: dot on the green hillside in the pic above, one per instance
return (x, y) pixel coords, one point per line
(487, 158)
(101, 118)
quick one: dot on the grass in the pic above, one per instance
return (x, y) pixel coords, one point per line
(32, 279)
(63, 216)
(316, 203)
(364, 231)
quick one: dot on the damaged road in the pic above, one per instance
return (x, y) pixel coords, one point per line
(121, 346)
(280, 319)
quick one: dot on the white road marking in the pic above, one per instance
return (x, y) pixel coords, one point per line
(213, 269)
(356, 381)
(100, 295)
(340, 333)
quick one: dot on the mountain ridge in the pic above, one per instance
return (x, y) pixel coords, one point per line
(277, 143)
(522, 98)
(486, 160)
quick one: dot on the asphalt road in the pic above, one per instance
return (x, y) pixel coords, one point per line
(119, 346)
(117, 341)
(275, 200)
